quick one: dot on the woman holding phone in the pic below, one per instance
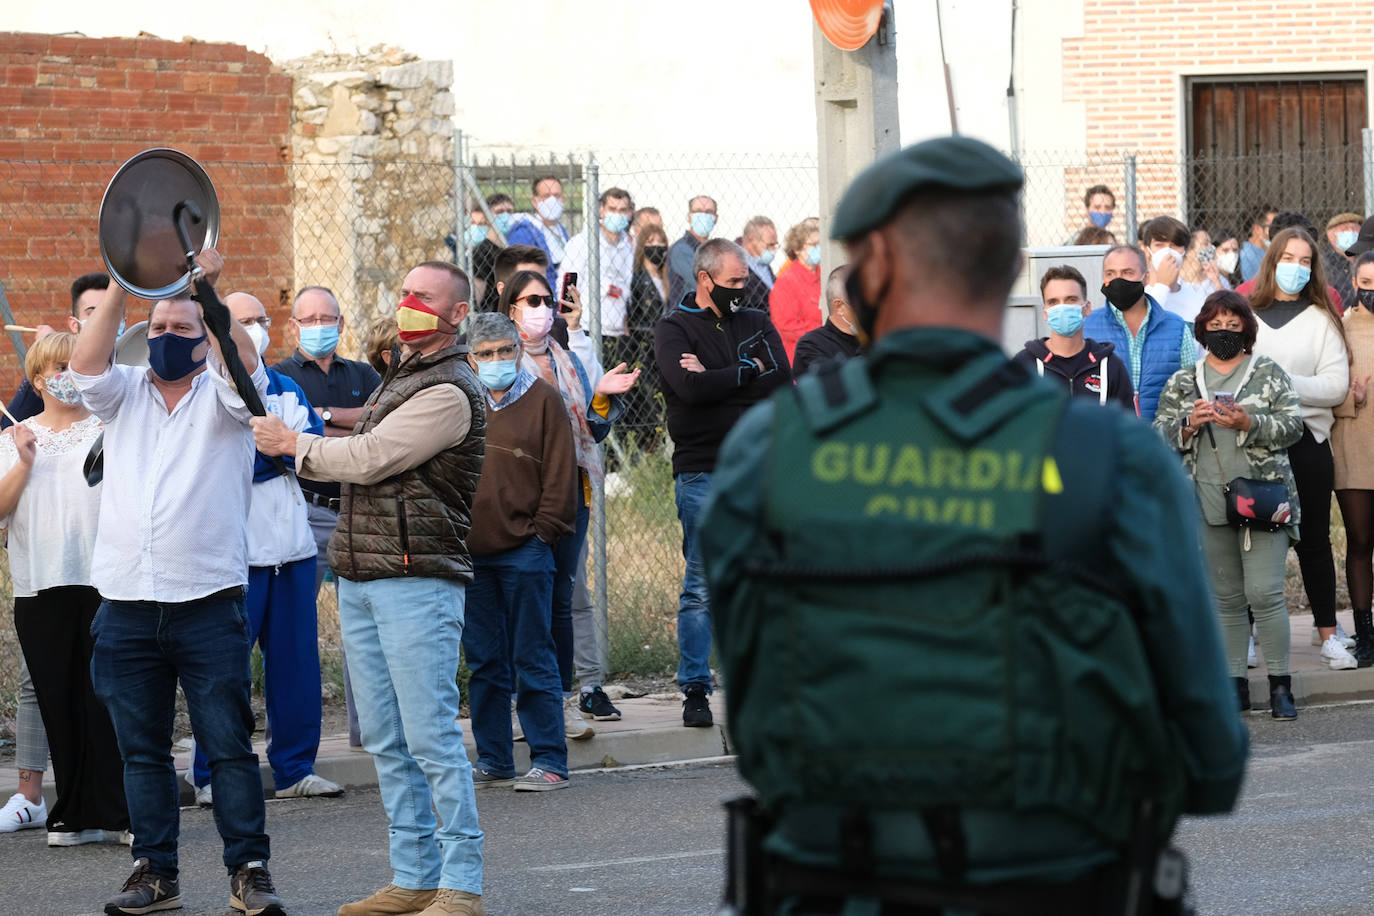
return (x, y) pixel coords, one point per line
(1235, 414)
(1301, 330)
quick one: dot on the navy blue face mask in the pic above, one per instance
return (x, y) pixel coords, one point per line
(170, 355)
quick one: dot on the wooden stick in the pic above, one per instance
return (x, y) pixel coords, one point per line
(21, 328)
(8, 414)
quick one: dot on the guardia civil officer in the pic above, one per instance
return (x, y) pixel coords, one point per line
(864, 523)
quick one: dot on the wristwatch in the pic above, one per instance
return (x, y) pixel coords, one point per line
(327, 416)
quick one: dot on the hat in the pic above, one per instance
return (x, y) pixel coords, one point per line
(1340, 218)
(1365, 241)
(959, 163)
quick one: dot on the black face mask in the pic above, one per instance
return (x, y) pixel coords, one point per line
(865, 315)
(1224, 344)
(726, 300)
(1123, 293)
(1366, 297)
(656, 254)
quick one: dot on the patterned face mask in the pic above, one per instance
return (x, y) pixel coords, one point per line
(63, 388)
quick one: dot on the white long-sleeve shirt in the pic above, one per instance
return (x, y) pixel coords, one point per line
(1310, 349)
(617, 269)
(174, 504)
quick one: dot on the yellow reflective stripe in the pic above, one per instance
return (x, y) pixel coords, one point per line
(1049, 477)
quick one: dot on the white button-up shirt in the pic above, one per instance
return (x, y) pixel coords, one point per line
(617, 269)
(174, 504)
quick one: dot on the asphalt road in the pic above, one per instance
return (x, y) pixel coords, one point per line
(648, 842)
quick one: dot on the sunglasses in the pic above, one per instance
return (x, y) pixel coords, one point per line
(536, 300)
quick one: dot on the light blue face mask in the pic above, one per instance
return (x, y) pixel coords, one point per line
(1346, 239)
(1292, 277)
(615, 222)
(319, 340)
(498, 374)
(766, 256)
(813, 255)
(476, 235)
(1065, 320)
(703, 223)
(503, 221)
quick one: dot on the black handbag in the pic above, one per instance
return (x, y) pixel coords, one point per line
(1260, 505)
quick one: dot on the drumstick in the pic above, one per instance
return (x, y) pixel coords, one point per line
(8, 414)
(21, 328)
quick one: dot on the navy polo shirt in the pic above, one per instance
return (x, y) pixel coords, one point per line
(349, 384)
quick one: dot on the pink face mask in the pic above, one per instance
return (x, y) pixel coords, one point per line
(535, 322)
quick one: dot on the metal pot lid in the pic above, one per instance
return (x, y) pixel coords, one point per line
(138, 240)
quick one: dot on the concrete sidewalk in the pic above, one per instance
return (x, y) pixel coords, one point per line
(651, 729)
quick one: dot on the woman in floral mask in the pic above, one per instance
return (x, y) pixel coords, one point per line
(51, 515)
(592, 405)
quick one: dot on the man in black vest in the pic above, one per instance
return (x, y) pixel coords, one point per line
(409, 474)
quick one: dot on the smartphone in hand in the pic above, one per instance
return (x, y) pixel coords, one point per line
(1224, 399)
(569, 282)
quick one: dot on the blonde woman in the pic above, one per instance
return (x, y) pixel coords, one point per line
(51, 515)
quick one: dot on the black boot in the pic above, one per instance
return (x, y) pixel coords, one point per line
(1281, 697)
(1243, 692)
(1364, 638)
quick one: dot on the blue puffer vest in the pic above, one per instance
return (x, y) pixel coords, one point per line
(1163, 338)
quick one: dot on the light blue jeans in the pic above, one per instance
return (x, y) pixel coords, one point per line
(402, 638)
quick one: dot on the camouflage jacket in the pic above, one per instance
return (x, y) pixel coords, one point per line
(1276, 423)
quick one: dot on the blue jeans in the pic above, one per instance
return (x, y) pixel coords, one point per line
(402, 638)
(693, 607)
(141, 649)
(509, 646)
(281, 619)
(567, 550)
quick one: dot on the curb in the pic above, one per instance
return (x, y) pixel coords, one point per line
(1318, 687)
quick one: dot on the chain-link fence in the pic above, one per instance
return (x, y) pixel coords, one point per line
(358, 227)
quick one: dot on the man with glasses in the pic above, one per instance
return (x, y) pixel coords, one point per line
(701, 221)
(544, 230)
(281, 596)
(337, 388)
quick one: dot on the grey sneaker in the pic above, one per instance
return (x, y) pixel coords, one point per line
(539, 780)
(145, 892)
(311, 786)
(251, 891)
(486, 779)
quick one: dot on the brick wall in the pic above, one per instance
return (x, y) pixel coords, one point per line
(1128, 66)
(73, 108)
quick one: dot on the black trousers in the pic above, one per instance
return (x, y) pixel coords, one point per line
(1315, 474)
(54, 629)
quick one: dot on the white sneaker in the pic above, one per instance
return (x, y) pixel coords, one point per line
(205, 797)
(311, 786)
(574, 726)
(1337, 655)
(21, 814)
(1342, 637)
(1250, 660)
(77, 837)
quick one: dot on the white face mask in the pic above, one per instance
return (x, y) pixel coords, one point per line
(1159, 256)
(1226, 261)
(259, 335)
(550, 208)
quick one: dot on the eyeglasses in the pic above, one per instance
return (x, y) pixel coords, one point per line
(502, 353)
(315, 322)
(535, 300)
(264, 322)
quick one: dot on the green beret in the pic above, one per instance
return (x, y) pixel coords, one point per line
(962, 163)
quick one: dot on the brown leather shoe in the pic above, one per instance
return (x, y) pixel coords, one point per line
(390, 901)
(455, 903)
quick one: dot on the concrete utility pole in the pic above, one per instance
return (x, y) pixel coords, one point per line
(856, 118)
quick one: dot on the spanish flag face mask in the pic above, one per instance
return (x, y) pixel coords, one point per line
(415, 321)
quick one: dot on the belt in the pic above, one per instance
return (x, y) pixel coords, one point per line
(319, 499)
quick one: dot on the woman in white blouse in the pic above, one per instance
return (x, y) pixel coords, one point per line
(1301, 330)
(51, 514)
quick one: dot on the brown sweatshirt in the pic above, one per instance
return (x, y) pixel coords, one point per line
(529, 477)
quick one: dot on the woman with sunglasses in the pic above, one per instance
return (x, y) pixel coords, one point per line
(593, 404)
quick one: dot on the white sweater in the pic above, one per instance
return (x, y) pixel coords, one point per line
(1311, 351)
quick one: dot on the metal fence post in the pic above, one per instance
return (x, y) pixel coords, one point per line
(591, 297)
(1131, 220)
(1367, 136)
(460, 222)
